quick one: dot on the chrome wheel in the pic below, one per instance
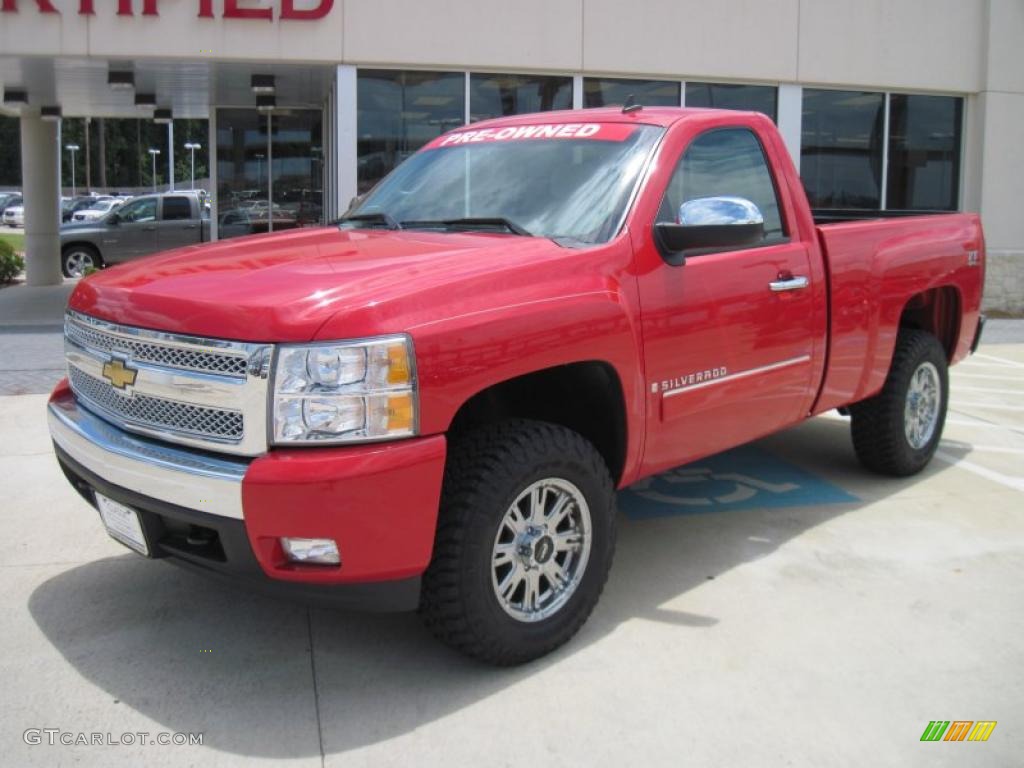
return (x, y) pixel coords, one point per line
(541, 550)
(922, 407)
(77, 263)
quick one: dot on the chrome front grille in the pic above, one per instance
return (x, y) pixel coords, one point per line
(207, 393)
(157, 412)
(146, 352)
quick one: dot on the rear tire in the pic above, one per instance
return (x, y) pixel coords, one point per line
(77, 260)
(897, 431)
(500, 588)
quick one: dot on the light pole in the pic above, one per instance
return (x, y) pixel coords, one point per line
(192, 147)
(153, 153)
(72, 148)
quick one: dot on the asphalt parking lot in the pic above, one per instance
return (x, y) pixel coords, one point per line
(771, 606)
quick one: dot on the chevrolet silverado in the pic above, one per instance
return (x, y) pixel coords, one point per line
(431, 403)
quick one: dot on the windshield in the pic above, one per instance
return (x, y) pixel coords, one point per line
(570, 182)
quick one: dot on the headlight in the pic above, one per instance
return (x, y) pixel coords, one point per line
(345, 392)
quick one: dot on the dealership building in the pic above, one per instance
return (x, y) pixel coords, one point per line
(885, 105)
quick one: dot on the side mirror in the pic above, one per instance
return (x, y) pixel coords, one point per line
(710, 223)
(114, 219)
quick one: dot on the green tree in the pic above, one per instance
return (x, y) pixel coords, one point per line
(116, 155)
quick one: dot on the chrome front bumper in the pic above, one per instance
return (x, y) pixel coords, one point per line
(175, 475)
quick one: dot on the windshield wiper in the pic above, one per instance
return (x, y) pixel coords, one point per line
(468, 223)
(377, 217)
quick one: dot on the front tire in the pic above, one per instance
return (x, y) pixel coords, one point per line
(897, 431)
(524, 543)
(77, 260)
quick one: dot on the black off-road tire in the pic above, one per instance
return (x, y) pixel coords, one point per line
(486, 471)
(878, 424)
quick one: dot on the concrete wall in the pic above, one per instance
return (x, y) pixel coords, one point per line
(1001, 176)
(914, 44)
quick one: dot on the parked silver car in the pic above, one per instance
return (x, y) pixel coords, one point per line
(14, 215)
(97, 210)
(9, 198)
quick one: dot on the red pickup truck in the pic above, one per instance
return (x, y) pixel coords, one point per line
(430, 404)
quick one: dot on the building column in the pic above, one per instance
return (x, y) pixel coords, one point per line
(998, 184)
(40, 179)
(213, 157)
(346, 164)
(790, 118)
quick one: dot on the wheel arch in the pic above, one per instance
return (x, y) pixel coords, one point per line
(586, 397)
(937, 310)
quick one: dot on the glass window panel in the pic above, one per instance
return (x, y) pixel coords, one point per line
(176, 208)
(728, 162)
(297, 148)
(751, 98)
(138, 211)
(924, 152)
(498, 95)
(399, 112)
(241, 171)
(605, 92)
(841, 148)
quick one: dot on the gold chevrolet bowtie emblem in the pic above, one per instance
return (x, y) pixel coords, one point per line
(118, 374)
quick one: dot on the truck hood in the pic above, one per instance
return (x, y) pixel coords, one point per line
(285, 287)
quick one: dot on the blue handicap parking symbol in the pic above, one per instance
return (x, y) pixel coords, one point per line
(743, 478)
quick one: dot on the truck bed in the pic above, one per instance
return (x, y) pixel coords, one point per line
(874, 265)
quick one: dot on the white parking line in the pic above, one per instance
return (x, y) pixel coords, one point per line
(959, 373)
(970, 421)
(972, 364)
(1015, 483)
(989, 406)
(1017, 392)
(1000, 360)
(981, 424)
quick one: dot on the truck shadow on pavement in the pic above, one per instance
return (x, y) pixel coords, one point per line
(195, 656)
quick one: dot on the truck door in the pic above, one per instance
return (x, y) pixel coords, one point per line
(134, 234)
(727, 334)
(179, 223)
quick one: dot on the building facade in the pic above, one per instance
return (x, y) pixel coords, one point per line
(893, 105)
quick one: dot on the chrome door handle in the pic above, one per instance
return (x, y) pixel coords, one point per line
(789, 284)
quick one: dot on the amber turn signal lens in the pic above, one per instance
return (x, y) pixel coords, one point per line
(400, 412)
(399, 370)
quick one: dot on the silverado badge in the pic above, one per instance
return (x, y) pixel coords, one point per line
(119, 374)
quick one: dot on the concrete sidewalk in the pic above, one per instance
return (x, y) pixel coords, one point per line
(31, 337)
